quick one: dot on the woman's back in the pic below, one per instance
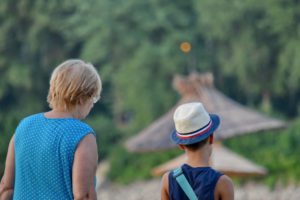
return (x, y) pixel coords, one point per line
(44, 154)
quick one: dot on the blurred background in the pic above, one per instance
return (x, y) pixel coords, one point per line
(251, 47)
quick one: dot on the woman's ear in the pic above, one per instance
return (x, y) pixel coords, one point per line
(82, 101)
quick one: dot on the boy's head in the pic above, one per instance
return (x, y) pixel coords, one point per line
(193, 125)
(197, 145)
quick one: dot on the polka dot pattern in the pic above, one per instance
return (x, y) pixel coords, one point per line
(44, 154)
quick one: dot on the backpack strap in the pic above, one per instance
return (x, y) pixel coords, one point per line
(184, 184)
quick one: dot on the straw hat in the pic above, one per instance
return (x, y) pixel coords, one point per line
(193, 124)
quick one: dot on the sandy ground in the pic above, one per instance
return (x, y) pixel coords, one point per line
(150, 190)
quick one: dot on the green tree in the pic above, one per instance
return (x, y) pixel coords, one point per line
(255, 43)
(251, 46)
(35, 36)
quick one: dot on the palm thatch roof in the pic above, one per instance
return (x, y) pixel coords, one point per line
(222, 160)
(236, 119)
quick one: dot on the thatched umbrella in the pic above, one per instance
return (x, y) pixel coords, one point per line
(222, 160)
(236, 119)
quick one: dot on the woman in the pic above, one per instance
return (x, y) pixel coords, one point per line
(53, 155)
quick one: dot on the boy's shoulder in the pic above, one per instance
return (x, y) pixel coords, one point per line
(165, 186)
(225, 180)
(165, 179)
(224, 188)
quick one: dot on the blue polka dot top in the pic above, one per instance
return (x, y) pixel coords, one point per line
(44, 154)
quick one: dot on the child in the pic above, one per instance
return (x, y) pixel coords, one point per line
(194, 134)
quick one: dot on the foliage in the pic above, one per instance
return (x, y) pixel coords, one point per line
(276, 151)
(35, 36)
(248, 42)
(106, 134)
(251, 46)
(127, 167)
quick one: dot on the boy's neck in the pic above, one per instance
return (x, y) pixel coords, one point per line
(199, 158)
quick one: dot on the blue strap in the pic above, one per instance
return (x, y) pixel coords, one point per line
(184, 184)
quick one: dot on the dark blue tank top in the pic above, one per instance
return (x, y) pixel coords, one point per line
(203, 180)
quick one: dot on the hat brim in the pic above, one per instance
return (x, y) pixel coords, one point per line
(215, 124)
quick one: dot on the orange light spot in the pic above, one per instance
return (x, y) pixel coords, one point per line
(185, 47)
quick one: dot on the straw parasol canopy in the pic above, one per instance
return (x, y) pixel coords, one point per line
(236, 119)
(222, 160)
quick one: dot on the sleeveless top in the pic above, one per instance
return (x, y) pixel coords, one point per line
(44, 154)
(203, 180)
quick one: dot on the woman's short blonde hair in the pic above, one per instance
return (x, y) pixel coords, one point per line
(72, 82)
